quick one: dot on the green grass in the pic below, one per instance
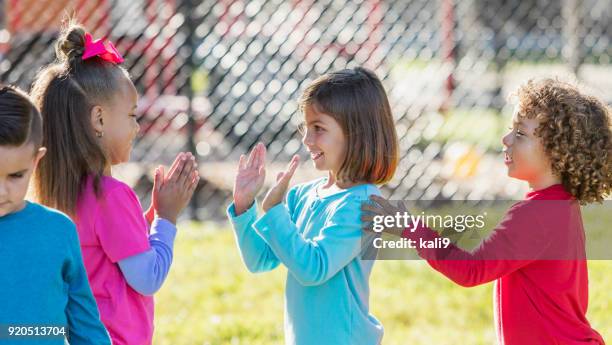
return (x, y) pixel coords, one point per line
(210, 298)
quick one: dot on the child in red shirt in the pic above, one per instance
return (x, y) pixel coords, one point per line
(560, 143)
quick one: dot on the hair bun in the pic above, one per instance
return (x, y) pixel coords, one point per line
(71, 43)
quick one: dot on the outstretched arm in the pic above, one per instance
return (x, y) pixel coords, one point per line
(313, 261)
(515, 242)
(242, 213)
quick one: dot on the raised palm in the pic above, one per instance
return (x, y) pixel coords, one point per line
(276, 194)
(250, 178)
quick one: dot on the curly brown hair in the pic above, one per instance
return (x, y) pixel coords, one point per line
(576, 135)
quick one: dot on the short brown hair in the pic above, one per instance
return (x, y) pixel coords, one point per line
(357, 100)
(65, 92)
(576, 135)
(20, 121)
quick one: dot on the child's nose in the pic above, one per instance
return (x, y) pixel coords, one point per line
(307, 138)
(507, 139)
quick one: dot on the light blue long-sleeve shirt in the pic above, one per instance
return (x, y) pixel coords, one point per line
(318, 239)
(146, 272)
(43, 280)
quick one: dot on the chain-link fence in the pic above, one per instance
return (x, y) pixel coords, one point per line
(215, 77)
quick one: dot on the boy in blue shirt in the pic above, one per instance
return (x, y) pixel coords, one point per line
(44, 293)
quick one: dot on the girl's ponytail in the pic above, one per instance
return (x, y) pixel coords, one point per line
(70, 45)
(66, 92)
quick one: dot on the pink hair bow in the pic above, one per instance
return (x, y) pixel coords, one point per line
(97, 48)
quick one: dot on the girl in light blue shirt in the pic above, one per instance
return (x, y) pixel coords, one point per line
(316, 233)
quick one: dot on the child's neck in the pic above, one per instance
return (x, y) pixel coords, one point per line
(332, 182)
(543, 182)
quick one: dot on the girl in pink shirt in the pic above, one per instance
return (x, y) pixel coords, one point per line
(560, 143)
(88, 102)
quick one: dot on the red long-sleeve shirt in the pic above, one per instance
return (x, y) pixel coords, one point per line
(536, 256)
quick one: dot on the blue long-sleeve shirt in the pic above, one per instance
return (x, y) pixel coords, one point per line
(43, 280)
(146, 272)
(318, 239)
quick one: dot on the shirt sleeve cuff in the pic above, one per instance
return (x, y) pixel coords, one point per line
(245, 218)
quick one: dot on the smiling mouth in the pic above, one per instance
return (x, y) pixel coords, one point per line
(316, 155)
(507, 158)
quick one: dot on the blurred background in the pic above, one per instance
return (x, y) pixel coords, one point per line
(216, 77)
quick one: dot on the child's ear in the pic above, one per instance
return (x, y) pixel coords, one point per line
(39, 155)
(97, 120)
